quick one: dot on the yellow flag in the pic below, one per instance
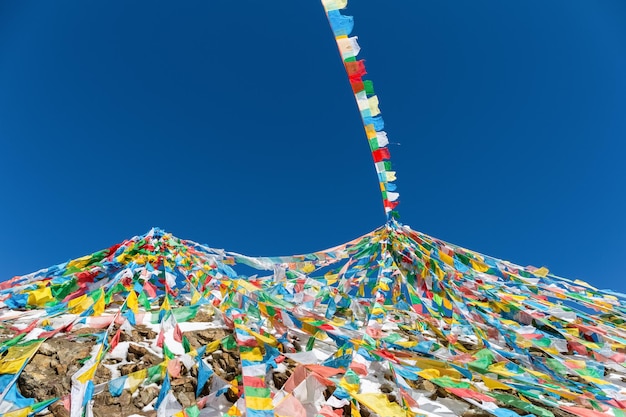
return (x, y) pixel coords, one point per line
(331, 278)
(351, 388)
(373, 103)
(389, 176)
(79, 263)
(16, 357)
(166, 303)
(380, 404)
(407, 343)
(584, 284)
(446, 258)
(564, 393)
(256, 403)
(213, 346)
(195, 295)
(429, 374)
(334, 4)
(40, 296)
(88, 374)
(253, 354)
(233, 411)
(234, 386)
(596, 381)
(99, 305)
(131, 301)
(79, 304)
(500, 369)
(22, 412)
(370, 132)
(495, 384)
(136, 378)
(270, 340)
(479, 266)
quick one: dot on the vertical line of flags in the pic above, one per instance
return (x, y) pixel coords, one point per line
(367, 102)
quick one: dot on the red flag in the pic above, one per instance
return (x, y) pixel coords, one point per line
(149, 289)
(390, 204)
(355, 69)
(178, 334)
(116, 338)
(27, 329)
(359, 368)
(174, 368)
(357, 85)
(111, 251)
(202, 402)
(381, 154)
(160, 339)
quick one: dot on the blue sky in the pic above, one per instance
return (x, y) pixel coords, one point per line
(233, 124)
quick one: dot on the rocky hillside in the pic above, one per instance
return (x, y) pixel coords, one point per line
(394, 323)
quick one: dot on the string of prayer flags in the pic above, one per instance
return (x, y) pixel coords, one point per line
(367, 101)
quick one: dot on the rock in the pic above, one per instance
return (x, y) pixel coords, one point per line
(429, 386)
(46, 349)
(58, 410)
(203, 315)
(137, 402)
(34, 381)
(149, 394)
(185, 399)
(136, 352)
(110, 400)
(102, 412)
(179, 381)
(386, 388)
(60, 357)
(231, 363)
(129, 368)
(125, 399)
(151, 359)
(474, 412)
(209, 335)
(231, 396)
(103, 374)
(279, 379)
(145, 332)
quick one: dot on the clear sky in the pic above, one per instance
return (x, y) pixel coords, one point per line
(232, 123)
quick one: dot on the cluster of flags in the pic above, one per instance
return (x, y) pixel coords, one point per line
(395, 323)
(362, 326)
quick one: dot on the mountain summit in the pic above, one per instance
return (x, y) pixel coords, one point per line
(393, 323)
